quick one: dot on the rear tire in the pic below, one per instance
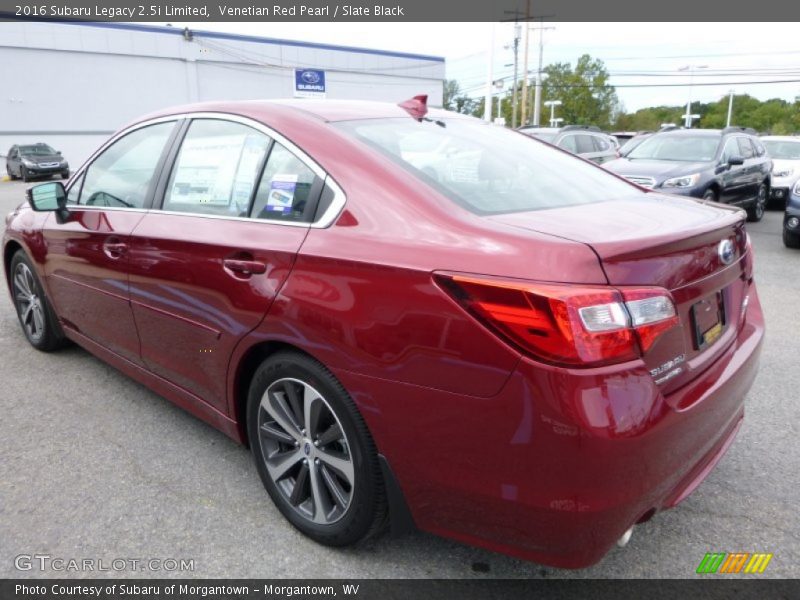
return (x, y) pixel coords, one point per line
(313, 451)
(791, 240)
(755, 212)
(11, 176)
(36, 316)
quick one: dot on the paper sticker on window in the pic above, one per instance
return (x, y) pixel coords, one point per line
(281, 193)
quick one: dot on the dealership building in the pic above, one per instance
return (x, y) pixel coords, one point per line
(71, 85)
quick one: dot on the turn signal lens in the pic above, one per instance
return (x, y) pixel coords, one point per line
(567, 325)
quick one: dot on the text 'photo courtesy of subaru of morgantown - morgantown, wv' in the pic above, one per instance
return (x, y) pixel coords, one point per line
(348, 288)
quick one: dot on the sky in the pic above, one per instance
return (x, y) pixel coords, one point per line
(730, 55)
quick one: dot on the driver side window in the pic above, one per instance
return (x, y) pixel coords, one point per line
(121, 175)
(731, 149)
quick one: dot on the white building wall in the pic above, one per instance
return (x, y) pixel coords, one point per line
(72, 85)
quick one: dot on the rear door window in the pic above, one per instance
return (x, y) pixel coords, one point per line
(216, 169)
(585, 145)
(745, 147)
(569, 142)
(288, 189)
(601, 145)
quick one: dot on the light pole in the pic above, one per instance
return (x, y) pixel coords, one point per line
(487, 99)
(552, 104)
(517, 33)
(689, 117)
(730, 108)
(499, 87)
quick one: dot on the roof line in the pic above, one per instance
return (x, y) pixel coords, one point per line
(244, 38)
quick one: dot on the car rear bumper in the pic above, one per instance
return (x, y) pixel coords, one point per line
(561, 463)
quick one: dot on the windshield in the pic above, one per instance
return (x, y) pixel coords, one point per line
(783, 149)
(683, 148)
(489, 169)
(36, 150)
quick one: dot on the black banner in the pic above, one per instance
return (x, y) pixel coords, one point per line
(367, 589)
(401, 10)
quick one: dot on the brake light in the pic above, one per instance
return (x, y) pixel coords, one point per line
(567, 325)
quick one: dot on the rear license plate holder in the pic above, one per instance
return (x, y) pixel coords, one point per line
(708, 320)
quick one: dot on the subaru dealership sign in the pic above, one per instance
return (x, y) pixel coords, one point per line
(309, 83)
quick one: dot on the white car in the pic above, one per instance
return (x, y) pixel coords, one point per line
(785, 153)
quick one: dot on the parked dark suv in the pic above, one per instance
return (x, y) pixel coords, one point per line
(791, 219)
(35, 160)
(729, 165)
(585, 141)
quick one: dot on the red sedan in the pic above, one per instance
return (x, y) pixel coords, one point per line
(409, 315)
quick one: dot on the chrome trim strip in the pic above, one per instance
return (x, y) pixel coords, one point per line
(326, 220)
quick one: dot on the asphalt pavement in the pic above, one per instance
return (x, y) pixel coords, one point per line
(94, 466)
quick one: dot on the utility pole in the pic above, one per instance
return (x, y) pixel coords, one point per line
(537, 102)
(487, 101)
(730, 108)
(516, 62)
(523, 114)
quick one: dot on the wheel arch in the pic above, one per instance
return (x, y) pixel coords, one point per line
(9, 251)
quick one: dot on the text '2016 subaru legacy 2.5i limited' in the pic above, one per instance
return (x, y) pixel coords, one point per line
(406, 313)
(729, 165)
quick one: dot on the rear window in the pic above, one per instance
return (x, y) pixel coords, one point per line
(488, 169)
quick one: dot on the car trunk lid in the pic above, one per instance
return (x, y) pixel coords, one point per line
(673, 243)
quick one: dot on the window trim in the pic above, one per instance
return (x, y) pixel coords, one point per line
(325, 220)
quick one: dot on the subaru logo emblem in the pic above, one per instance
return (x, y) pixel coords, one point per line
(307, 448)
(726, 251)
(310, 76)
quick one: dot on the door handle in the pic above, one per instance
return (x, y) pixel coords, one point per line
(244, 267)
(114, 249)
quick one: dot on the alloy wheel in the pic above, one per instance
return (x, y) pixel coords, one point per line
(306, 451)
(761, 201)
(29, 304)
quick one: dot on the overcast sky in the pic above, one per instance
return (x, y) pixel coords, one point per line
(732, 53)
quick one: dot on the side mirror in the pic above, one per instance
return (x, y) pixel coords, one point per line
(49, 197)
(58, 152)
(735, 160)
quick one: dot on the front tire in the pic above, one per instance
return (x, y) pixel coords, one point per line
(36, 316)
(23, 173)
(65, 175)
(313, 452)
(756, 212)
(710, 195)
(791, 240)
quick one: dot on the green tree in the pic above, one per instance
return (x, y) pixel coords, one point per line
(453, 99)
(585, 95)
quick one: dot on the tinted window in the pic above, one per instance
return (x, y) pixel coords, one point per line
(682, 148)
(36, 150)
(745, 147)
(75, 190)
(585, 145)
(287, 186)
(601, 145)
(489, 169)
(121, 175)
(731, 149)
(216, 169)
(570, 143)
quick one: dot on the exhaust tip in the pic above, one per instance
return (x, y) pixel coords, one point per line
(625, 538)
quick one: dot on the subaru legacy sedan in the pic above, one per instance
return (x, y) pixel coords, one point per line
(411, 317)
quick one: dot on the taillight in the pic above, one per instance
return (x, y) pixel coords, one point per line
(567, 325)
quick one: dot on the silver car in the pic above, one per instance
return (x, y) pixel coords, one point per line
(785, 153)
(586, 141)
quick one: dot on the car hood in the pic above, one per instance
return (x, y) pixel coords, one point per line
(660, 170)
(782, 164)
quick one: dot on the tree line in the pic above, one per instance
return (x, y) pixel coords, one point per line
(587, 99)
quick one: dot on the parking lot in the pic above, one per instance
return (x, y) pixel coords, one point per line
(93, 465)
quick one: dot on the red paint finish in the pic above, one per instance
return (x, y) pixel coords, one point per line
(190, 308)
(490, 445)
